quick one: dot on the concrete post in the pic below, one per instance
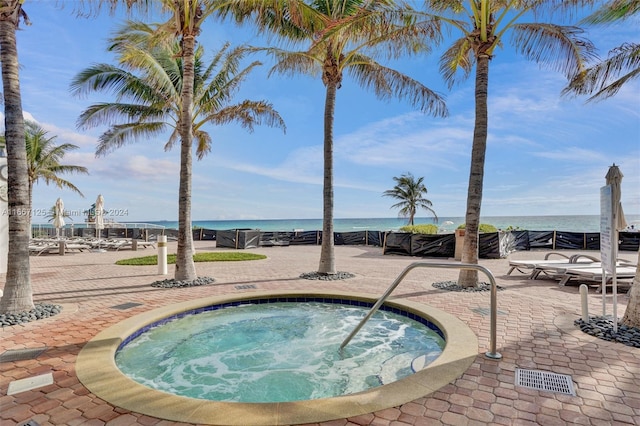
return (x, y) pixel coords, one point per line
(162, 255)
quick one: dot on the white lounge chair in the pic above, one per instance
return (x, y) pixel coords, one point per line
(623, 271)
(529, 266)
(555, 271)
(38, 247)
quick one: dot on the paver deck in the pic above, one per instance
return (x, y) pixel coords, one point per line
(535, 331)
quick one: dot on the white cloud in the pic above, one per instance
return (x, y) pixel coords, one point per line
(574, 154)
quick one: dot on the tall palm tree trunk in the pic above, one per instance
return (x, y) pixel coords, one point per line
(185, 267)
(18, 294)
(469, 277)
(327, 255)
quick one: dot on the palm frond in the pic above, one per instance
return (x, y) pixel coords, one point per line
(123, 134)
(292, 63)
(203, 143)
(109, 113)
(248, 114)
(173, 139)
(613, 11)
(387, 83)
(99, 77)
(459, 57)
(606, 78)
(562, 48)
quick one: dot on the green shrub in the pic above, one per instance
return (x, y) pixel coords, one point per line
(484, 227)
(198, 257)
(421, 229)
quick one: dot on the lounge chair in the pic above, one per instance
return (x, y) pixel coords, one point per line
(623, 271)
(144, 244)
(529, 266)
(38, 247)
(555, 271)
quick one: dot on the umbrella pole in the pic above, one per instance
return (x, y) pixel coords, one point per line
(615, 280)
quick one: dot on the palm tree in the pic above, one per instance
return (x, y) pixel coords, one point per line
(602, 81)
(43, 160)
(153, 79)
(411, 193)
(484, 26)
(340, 35)
(18, 293)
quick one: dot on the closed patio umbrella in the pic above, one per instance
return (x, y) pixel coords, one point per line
(58, 218)
(614, 180)
(99, 218)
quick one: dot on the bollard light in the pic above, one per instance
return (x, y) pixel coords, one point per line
(162, 255)
(584, 291)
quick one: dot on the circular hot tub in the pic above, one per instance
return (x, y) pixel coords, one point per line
(98, 370)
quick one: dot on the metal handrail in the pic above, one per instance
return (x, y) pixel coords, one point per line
(494, 300)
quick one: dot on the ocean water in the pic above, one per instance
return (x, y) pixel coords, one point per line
(584, 223)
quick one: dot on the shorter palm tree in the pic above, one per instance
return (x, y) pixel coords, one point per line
(410, 191)
(150, 102)
(44, 157)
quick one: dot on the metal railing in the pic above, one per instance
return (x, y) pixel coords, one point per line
(447, 265)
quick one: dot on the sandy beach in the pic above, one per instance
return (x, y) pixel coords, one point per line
(534, 331)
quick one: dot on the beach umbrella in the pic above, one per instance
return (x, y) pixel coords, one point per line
(99, 214)
(614, 178)
(58, 218)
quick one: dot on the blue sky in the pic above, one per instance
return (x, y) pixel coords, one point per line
(546, 155)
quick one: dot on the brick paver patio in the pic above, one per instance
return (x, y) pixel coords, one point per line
(534, 331)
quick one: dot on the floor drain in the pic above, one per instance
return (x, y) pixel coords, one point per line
(128, 305)
(545, 381)
(245, 286)
(21, 354)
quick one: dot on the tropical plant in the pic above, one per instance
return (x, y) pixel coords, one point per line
(342, 36)
(605, 78)
(43, 160)
(482, 228)
(428, 228)
(410, 191)
(18, 293)
(484, 26)
(153, 77)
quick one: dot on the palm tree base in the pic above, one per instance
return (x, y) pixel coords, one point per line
(326, 277)
(173, 283)
(40, 311)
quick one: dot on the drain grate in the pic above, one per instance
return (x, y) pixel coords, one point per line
(128, 305)
(545, 381)
(245, 286)
(21, 354)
